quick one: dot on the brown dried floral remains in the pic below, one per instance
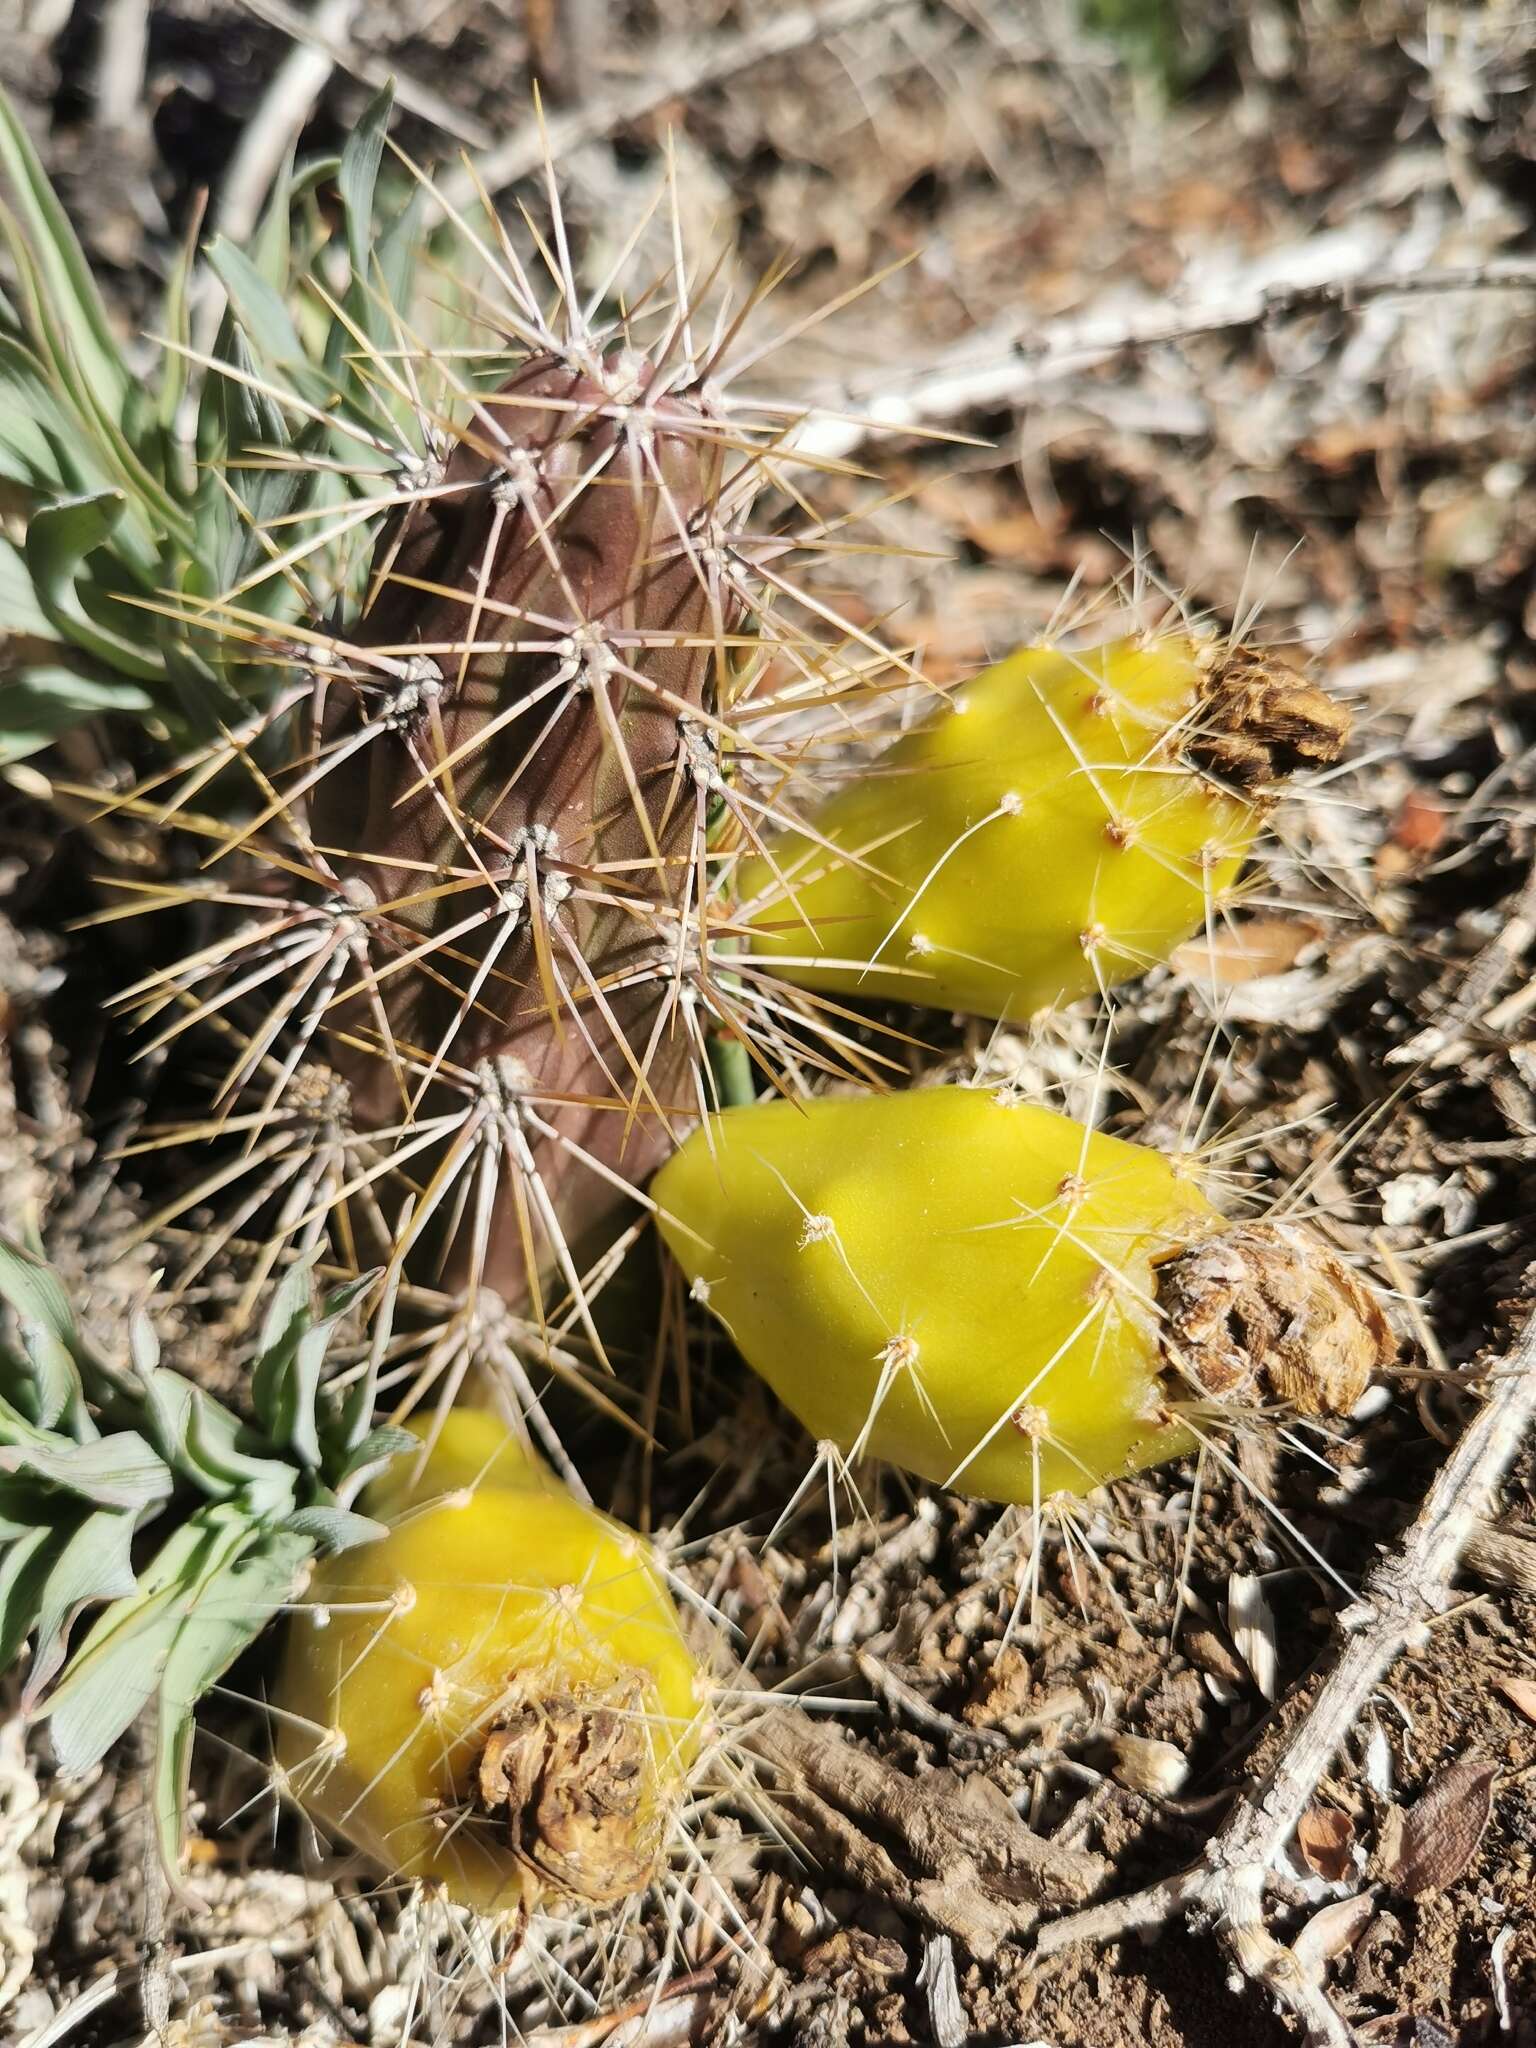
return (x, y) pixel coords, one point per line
(566, 1775)
(1269, 1311)
(1260, 721)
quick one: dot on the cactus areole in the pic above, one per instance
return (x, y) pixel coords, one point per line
(513, 823)
(997, 1298)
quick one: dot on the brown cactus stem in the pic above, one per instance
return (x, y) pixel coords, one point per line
(524, 822)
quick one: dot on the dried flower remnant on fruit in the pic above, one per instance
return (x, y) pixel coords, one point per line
(1055, 1274)
(548, 1751)
(567, 1777)
(1268, 1311)
(1259, 721)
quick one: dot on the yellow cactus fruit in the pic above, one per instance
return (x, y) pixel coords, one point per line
(1064, 822)
(496, 1695)
(995, 1297)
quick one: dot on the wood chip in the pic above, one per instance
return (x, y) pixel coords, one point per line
(1419, 826)
(1325, 1838)
(1156, 1768)
(1501, 1941)
(1331, 1930)
(1521, 1694)
(1428, 1847)
(1205, 1648)
(1251, 1626)
(1502, 1556)
(946, 2015)
(1250, 950)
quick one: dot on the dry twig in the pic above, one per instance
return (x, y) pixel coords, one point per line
(1401, 1596)
(1008, 365)
(1441, 1041)
(337, 46)
(969, 1865)
(668, 2019)
(1502, 1557)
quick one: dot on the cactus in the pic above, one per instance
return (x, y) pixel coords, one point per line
(1061, 825)
(507, 827)
(497, 1696)
(92, 1451)
(465, 724)
(998, 1298)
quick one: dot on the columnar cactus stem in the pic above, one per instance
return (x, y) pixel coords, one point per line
(517, 816)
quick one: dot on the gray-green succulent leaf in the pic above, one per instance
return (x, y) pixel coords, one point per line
(131, 1495)
(170, 522)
